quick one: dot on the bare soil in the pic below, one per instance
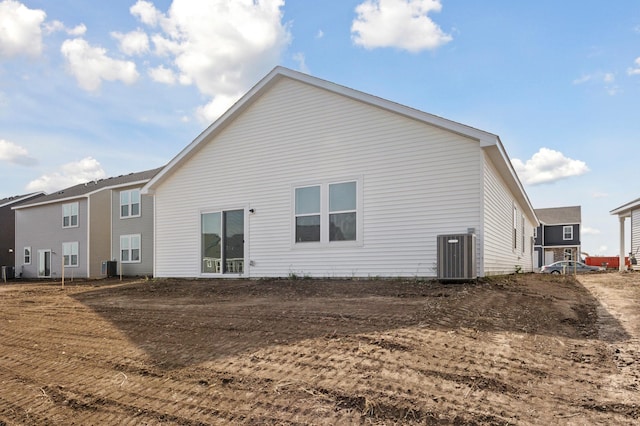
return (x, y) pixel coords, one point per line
(525, 349)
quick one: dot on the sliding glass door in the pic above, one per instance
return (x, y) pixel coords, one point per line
(222, 242)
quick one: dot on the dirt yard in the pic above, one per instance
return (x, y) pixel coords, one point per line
(525, 349)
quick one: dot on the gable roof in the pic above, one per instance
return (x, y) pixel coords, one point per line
(17, 199)
(625, 209)
(560, 215)
(86, 189)
(489, 142)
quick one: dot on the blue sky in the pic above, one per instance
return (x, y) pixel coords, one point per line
(97, 89)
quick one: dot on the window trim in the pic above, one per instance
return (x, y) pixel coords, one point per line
(564, 233)
(130, 204)
(325, 242)
(71, 215)
(130, 249)
(70, 244)
(515, 229)
(25, 255)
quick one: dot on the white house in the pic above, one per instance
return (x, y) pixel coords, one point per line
(629, 210)
(303, 176)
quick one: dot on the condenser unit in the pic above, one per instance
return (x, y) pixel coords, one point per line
(457, 257)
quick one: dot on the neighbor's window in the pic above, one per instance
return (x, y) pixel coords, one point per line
(70, 253)
(130, 203)
(567, 232)
(70, 215)
(130, 248)
(308, 214)
(342, 211)
(27, 256)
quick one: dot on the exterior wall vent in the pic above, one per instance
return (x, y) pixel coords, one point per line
(457, 257)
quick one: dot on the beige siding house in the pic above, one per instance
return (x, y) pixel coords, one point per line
(305, 177)
(75, 230)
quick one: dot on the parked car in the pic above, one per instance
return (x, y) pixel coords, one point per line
(567, 267)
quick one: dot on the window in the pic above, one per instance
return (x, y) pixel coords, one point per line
(567, 232)
(222, 242)
(27, 256)
(130, 248)
(326, 213)
(308, 214)
(130, 203)
(342, 211)
(522, 229)
(70, 253)
(515, 228)
(70, 215)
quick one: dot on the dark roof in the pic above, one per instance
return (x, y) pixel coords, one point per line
(560, 215)
(19, 199)
(86, 188)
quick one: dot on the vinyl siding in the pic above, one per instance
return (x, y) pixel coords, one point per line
(416, 181)
(635, 233)
(499, 254)
(100, 232)
(142, 225)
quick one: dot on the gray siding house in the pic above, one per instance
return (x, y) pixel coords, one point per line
(558, 236)
(76, 229)
(8, 251)
(303, 176)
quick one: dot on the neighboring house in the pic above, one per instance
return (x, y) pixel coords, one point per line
(305, 177)
(85, 225)
(558, 236)
(629, 210)
(8, 227)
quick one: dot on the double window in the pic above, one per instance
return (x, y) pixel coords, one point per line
(130, 203)
(70, 253)
(326, 212)
(130, 248)
(70, 215)
(567, 233)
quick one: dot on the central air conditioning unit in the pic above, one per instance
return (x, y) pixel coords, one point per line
(457, 257)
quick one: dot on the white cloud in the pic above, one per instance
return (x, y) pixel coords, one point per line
(302, 64)
(607, 79)
(15, 154)
(222, 47)
(69, 174)
(636, 68)
(161, 74)
(132, 43)
(319, 34)
(548, 166)
(218, 106)
(586, 230)
(404, 24)
(599, 195)
(55, 26)
(146, 12)
(90, 65)
(20, 32)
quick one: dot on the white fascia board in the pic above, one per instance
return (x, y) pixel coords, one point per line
(625, 209)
